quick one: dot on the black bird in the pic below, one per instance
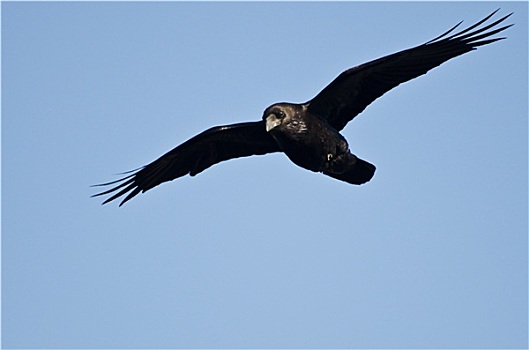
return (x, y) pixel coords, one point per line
(308, 133)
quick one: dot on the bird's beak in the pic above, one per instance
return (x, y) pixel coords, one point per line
(271, 122)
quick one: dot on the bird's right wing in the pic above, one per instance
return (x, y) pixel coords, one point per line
(353, 90)
(195, 155)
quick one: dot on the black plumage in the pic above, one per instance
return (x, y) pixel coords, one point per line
(308, 133)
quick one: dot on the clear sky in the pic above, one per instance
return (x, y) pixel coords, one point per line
(257, 252)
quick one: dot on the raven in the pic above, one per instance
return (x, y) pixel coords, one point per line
(308, 133)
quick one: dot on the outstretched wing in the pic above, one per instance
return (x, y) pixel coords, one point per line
(195, 155)
(353, 90)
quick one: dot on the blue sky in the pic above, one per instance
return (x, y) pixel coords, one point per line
(257, 252)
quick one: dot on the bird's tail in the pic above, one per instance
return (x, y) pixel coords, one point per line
(360, 173)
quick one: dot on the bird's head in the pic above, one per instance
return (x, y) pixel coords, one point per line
(280, 114)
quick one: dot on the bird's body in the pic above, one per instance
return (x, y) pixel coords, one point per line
(293, 130)
(309, 133)
(311, 143)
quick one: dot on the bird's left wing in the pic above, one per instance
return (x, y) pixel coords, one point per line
(353, 90)
(195, 155)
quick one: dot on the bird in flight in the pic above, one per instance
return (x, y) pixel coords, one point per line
(309, 133)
